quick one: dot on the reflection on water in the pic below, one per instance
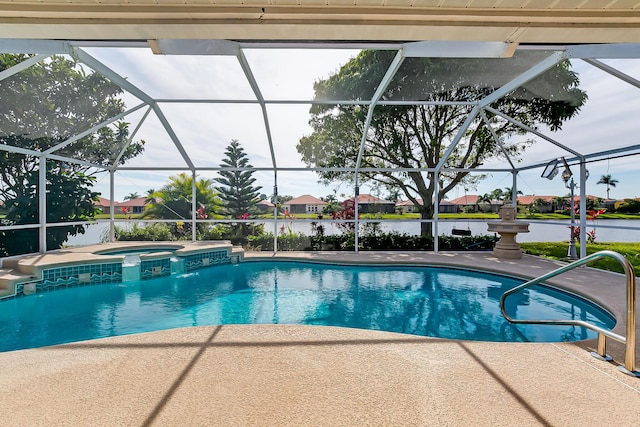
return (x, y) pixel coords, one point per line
(423, 301)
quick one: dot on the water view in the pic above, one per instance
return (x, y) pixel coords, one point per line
(541, 231)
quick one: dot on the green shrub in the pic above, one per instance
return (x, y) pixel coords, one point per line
(628, 206)
(152, 232)
(239, 234)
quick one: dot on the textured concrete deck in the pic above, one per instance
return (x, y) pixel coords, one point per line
(301, 375)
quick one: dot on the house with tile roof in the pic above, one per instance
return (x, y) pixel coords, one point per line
(132, 206)
(470, 200)
(304, 204)
(471, 203)
(368, 203)
(546, 204)
(103, 204)
(407, 206)
(265, 206)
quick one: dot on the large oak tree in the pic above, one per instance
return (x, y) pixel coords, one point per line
(43, 106)
(417, 136)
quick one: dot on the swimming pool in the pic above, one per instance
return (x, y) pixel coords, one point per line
(427, 301)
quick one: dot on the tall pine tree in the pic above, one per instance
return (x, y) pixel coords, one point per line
(237, 192)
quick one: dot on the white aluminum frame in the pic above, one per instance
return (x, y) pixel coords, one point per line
(43, 49)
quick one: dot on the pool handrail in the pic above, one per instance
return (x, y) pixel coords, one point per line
(629, 340)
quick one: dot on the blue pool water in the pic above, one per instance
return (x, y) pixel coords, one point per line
(426, 301)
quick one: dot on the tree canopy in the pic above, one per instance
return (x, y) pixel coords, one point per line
(417, 136)
(43, 106)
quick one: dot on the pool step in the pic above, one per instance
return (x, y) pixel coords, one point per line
(17, 267)
(9, 278)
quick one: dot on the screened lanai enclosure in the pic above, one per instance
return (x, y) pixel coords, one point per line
(174, 134)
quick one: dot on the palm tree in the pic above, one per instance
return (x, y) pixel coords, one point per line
(559, 202)
(173, 200)
(132, 196)
(610, 182)
(497, 194)
(485, 201)
(508, 193)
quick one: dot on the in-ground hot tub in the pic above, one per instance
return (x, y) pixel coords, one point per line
(112, 263)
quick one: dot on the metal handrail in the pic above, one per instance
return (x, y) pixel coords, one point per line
(629, 340)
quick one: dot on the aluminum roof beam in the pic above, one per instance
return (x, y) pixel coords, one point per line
(533, 131)
(75, 161)
(22, 66)
(604, 51)
(305, 169)
(207, 47)
(515, 83)
(44, 48)
(523, 78)
(614, 72)
(92, 129)
(114, 166)
(20, 150)
(31, 46)
(386, 79)
(307, 101)
(98, 66)
(603, 154)
(456, 139)
(256, 90)
(497, 140)
(458, 49)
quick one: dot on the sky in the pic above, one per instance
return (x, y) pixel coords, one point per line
(606, 121)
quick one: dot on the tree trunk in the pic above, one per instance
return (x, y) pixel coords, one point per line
(426, 212)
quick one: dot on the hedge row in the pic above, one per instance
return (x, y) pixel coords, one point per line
(391, 241)
(382, 241)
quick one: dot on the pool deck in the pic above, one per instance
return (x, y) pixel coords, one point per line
(286, 375)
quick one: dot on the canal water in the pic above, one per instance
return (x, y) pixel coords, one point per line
(539, 231)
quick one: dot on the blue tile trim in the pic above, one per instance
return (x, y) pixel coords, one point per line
(205, 259)
(54, 278)
(155, 268)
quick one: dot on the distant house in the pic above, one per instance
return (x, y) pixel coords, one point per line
(371, 204)
(304, 204)
(265, 206)
(103, 204)
(407, 206)
(133, 206)
(610, 204)
(595, 200)
(547, 205)
(446, 206)
(471, 203)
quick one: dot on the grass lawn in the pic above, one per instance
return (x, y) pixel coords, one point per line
(558, 251)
